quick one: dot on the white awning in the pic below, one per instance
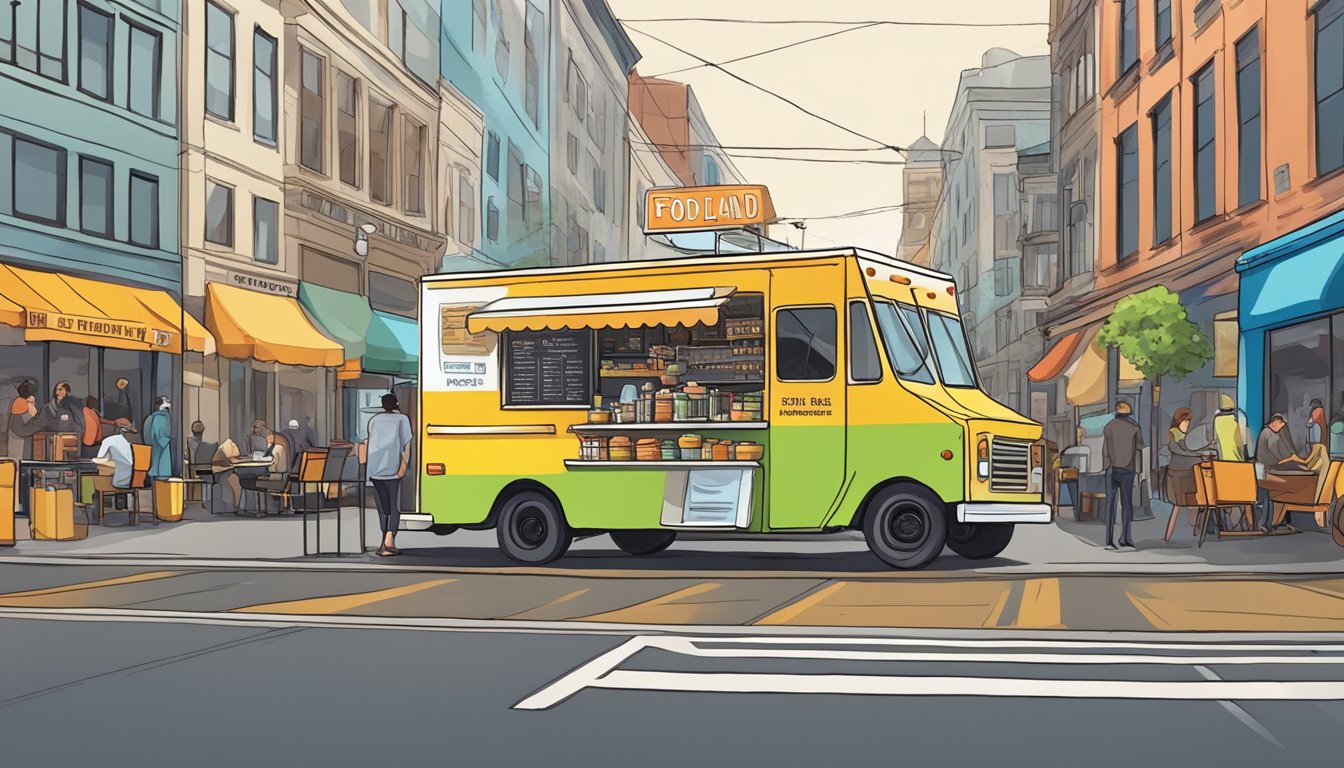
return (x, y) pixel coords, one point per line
(685, 306)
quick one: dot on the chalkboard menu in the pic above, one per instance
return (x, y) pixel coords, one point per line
(549, 368)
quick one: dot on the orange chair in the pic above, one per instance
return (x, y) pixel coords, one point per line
(1228, 485)
(140, 458)
(1323, 502)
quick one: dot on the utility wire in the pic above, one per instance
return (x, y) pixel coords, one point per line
(848, 215)
(769, 92)
(788, 158)
(772, 50)
(665, 145)
(887, 22)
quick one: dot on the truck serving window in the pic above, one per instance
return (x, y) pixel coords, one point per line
(949, 345)
(805, 344)
(903, 335)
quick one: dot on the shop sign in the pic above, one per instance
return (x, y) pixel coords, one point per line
(699, 209)
(262, 284)
(101, 327)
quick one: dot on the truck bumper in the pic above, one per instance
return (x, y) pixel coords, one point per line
(412, 521)
(1003, 512)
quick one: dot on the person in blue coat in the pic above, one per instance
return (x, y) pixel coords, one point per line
(158, 434)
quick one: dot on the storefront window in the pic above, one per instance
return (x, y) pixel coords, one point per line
(299, 388)
(74, 363)
(134, 403)
(1337, 383)
(1299, 371)
(262, 381)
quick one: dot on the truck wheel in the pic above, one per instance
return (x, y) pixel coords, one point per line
(978, 541)
(442, 529)
(905, 526)
(532, 529)
(643, 542)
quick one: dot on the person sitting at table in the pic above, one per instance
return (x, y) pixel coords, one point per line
(23, 422)
(115, 452)
(1181, 469)
(93, 429)
(63, 414)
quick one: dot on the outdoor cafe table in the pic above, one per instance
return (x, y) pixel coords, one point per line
(27, 469)
(251, 468)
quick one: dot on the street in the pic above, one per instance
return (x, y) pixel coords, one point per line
(224, 692)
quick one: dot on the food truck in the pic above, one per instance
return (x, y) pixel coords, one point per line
(809, 391)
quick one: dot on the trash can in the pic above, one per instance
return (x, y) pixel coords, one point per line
(52, 515)
(9, 481)
(170, 496)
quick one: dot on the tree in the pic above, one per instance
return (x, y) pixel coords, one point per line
(1154, 332)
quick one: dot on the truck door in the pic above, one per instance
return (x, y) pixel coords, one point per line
(807, 399)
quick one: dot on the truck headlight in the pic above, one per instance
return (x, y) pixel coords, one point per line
(982, 454)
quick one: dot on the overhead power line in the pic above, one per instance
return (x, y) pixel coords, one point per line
(665, 145)
(772, 50)
(848, 214)
(792, 158)
(769, 92)
(886, 22)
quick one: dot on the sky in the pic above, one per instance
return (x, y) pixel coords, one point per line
(881, 81)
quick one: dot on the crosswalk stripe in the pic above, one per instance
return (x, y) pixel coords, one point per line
(798, 607)
(341, 603)
(1040, 608)
(26, 597)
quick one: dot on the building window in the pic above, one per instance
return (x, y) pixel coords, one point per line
(218, 213)
(478, 25)
(864, 363)
(146, 67)
(144, 205)
(1206, 132)
(1038, 264)
(599, 188)
(1248, 118)
(312, 112)
(32, 36)
(1005, 214)
(218, 62)
(491, 220)
(1225, 344)
(389, 293)
(38, 183)
(532, 38)
(1299, 369)
(1044, 211)
(95, 52)
(805, 341)
(572, 154)
(95, 197)
(711, 170)
(1162, 181)
(597, 120)
(1078, 262)
(413, 165)
(265, 230)
(514, 168)
(1330, 87)
(1161, 22)
(532, 199)
(263, 87)
(1127, 199)
(466, 210)
(492, 155)
(347, 127)
(578, 91)
(501, 41)
(599, 252)
(1128, 29)
(380, 151)
(999, 136)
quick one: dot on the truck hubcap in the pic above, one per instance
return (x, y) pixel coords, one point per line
(530, 529)
(907, 526)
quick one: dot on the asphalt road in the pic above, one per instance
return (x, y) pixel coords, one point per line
(170, 693)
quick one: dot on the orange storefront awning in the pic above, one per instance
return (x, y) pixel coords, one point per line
(1059, 358)
(249, 325)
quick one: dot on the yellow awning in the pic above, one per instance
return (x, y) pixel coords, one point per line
(349, 370)
(1087, 376)
(57, 307)
(162, 305)
(249, 325)
(686, 307)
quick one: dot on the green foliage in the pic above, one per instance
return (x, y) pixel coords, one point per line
(1154, 332)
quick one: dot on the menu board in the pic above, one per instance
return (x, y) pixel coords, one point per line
(549, 368)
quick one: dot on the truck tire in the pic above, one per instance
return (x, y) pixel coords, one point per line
(905, 526)
(978, 541)
(532, 529)
(641, 543)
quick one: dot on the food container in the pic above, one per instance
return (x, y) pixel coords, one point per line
(691, 446)
(670, 452)
(663, 408)
(723, 450)
(648, 449)
(707, 449)
(593, 448)
(750, 452)
(629, 412)
(619, 449)
(599, 416)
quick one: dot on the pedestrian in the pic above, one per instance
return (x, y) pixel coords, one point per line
(117, 404)
(1229, 431)
(1180, 480)
(63, 414)
(23, 421)
(158, 431)
(388, 450)
(93, 429)
(1121, 446)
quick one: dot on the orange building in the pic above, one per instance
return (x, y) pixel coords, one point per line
(1209, 146)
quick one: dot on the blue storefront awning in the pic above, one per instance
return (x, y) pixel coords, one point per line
(1293, 277)
(393, 345)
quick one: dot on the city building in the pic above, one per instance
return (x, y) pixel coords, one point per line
(1191, 182)
(921, 184)
(671, 117)
(496, 53)
(90, 276)
(1039, 243)
(592, 58)
(461, 141)
(648, 170)
(1001, 109)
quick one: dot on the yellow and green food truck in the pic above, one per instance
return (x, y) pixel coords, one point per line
(814, 391)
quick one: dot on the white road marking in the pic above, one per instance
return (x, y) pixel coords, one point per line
(586, 676)
(1242, 716)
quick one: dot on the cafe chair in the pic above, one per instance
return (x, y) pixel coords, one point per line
(332, 480)
(103, 487)
(203, 470)
(307, 469)
(1322, 503)
(1222, 486)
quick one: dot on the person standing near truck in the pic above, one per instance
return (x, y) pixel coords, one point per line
(1122, 444)
(388, 451)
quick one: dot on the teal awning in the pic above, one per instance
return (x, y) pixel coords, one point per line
(345, 317)
(393, 345)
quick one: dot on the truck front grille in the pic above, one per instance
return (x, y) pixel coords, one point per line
(1009, 465)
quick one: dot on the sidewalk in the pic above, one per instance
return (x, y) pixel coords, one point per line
(1067, 546)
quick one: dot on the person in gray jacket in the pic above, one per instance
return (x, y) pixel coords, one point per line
(1121, 447)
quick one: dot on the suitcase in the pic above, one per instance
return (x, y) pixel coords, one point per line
(52, 515)
(9, 480)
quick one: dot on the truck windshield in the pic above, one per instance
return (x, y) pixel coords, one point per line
(903, 335)
(949, 345)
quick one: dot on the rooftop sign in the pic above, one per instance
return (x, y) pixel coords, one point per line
(700, 209)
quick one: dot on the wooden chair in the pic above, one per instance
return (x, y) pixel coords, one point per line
(103, 487)
(1234, 487)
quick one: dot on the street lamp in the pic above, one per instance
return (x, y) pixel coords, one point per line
(362, 233)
